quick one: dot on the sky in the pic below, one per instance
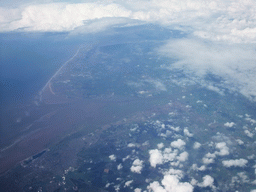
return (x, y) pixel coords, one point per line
(221, 34)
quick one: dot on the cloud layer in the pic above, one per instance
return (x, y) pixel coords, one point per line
(209, 19)
(234, 63)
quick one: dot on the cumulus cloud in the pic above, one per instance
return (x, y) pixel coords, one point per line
(158, 156)
(178, 144)
(197, 145)
(137, 166)
(112, 157)
(239, 141)
(187, 133)
(248, 133)
(119, 167)
(210, 19)
(137, 190)
(196, 168)
(60, 16)
(183, 156)
(131, 145)
(128, 183)
(155, 158)
(224, 150)
(208, 160)
(170, 183)
(229, 124)
(235, 163)
(208, 181)
(160, 145)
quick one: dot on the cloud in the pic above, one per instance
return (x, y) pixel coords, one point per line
(235, 163)
(248, 133)
(119, 167)
(183, 156)
(137, 166)
(155, 158)
(59, 16)
(239, 141)
(160, 145)
(187, 133)
(208, 160)
(169, 154)
(137, 190)
(158, 156)
(112, 157)
(170, 183)
(197, 145)
(101, 24)
(208, 181)
(157, 84)
(196, 168)
(232, 21)
(233, 63)
(229, 124)
(178, 144)
(224, 150)
(128, 183)
(131, 145)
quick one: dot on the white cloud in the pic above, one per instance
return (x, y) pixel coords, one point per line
(60, 16)
(158, 157)
(155, 158)
(137, 190)
(208, 160)
(229, 124)
(160, 145)
(240, 142)
(248, 133)
(209, 19)
(196, 168)
(176, 172)
(183, 156)
(170, 183)
(235, 163)
(233, 63)
(207, 181)
(128, 183)
(137, 166)
(187, 133)
(224, 150)
(131, 145)
(178, 144)
(119, 167)
(112, 157)
(197, 145)
(169, 154)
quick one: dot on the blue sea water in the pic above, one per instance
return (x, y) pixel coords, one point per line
(27, 62)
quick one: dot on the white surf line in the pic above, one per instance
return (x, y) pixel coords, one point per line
(47, 84)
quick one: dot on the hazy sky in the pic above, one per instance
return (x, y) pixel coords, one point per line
(221, 33)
